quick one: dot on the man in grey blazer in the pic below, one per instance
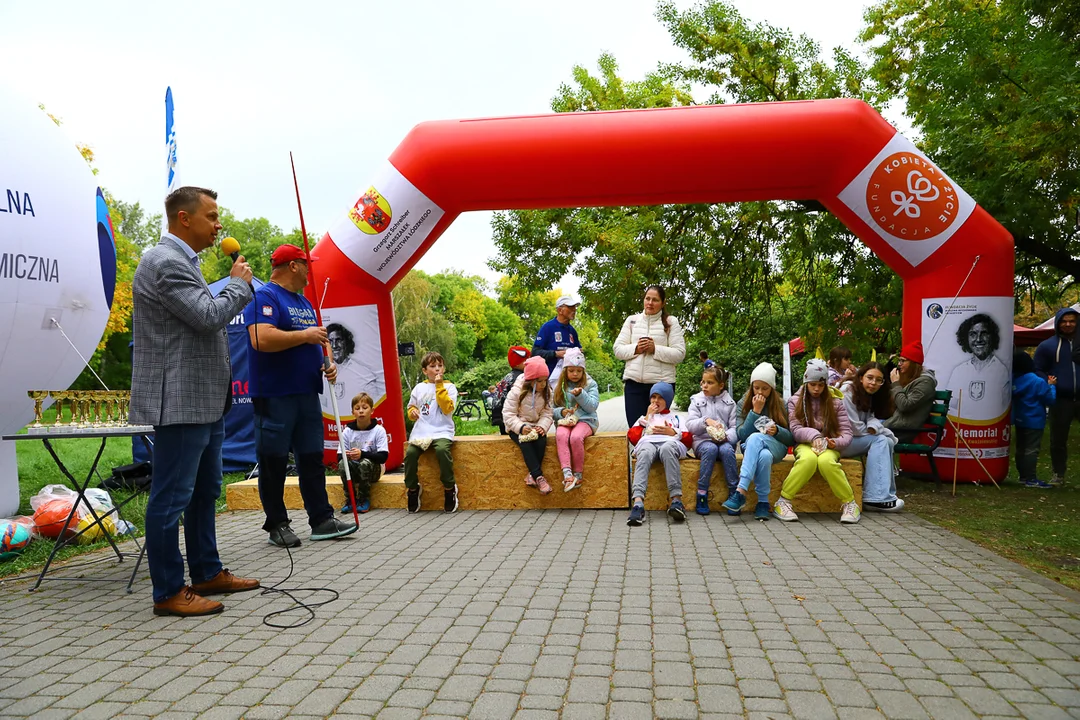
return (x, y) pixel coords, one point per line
(181, 384)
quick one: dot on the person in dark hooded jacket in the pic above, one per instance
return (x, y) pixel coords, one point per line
(1060, 356)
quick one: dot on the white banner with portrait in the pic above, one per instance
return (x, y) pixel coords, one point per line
(969, 347)
(353, 333)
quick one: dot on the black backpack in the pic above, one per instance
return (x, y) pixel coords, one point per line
(501, 391)
(136, 477)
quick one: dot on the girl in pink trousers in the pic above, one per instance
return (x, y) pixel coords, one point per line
(576, 400)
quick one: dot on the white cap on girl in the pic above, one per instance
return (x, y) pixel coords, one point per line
(765, 373)
(574, 358)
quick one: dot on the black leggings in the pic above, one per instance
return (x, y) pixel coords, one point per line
(636, 400)
(533, 453)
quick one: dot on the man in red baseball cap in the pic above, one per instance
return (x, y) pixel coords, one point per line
(286, 368)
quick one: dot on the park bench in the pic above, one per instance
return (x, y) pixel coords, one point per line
(929, 437)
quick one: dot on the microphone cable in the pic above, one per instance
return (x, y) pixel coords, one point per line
(298, 604)
(308, 608)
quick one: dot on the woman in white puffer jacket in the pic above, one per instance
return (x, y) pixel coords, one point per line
(651, 344)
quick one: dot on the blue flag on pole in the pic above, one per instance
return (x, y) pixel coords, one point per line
(173, 176)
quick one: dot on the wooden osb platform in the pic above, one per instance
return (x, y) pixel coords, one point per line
(389, 492)
(816, 497)
(490, 476)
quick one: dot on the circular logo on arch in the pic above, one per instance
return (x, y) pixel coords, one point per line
(909, 198)
(371, 213)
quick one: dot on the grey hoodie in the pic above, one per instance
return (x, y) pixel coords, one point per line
(913, 402)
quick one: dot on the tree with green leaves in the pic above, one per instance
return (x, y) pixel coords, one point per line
(727, 267)
(419, 321)
(258, 238)
(133, 222)
(993, 86)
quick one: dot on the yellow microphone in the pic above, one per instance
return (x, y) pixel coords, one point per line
(231, 247)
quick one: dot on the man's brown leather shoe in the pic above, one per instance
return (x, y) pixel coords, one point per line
(187, 604)
(225, 582)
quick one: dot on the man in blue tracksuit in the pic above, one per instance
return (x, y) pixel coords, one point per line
(1058, 356)
(557, 335)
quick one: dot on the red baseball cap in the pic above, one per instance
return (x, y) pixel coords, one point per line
(286, 254)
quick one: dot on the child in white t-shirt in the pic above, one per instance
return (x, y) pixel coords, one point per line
(431, 408)
(366, 449)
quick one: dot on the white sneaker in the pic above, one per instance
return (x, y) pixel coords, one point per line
(783, 511)
(849, 512)
(1057, 480)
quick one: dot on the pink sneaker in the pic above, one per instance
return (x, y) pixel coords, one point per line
(542, 485)
(529, 482)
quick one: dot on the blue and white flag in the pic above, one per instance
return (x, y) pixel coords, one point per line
(173, 176)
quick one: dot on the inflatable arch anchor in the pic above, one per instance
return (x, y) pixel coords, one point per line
(841, 153)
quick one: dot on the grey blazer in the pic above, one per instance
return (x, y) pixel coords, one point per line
(181, 372)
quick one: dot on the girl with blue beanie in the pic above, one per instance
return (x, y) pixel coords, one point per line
(763, 431)
(658, 436)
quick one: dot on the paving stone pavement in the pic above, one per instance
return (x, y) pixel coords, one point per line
(567, 614)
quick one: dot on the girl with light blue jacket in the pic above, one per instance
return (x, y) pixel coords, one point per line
(577, 398)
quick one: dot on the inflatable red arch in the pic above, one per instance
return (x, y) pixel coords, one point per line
(955, 259)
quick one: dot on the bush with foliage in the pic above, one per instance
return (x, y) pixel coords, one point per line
(481, 376)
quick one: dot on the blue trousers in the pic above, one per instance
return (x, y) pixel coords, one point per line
(707, 452)
(879, 479)
(290, 421)
(759, 453)
(187, 481)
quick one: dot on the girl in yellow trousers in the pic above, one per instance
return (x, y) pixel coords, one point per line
(821, 428)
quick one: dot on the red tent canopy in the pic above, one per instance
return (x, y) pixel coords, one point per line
(1030, 337)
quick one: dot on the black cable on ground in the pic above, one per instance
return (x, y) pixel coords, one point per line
(309, 608)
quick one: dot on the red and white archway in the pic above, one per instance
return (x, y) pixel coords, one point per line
(839, 152)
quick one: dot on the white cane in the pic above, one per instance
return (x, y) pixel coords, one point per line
(337, 425)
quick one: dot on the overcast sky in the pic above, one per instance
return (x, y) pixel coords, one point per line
(337, 83)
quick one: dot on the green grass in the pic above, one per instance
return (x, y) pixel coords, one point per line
(1040, 529)
(37, 469)
(611, 394)
(474, 427)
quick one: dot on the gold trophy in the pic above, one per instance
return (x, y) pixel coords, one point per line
(59, 397)
(97, 399)
(125, 398)
(74, 396)
(38, 396)
(110, 407)
(87, 408)
(79, 409)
